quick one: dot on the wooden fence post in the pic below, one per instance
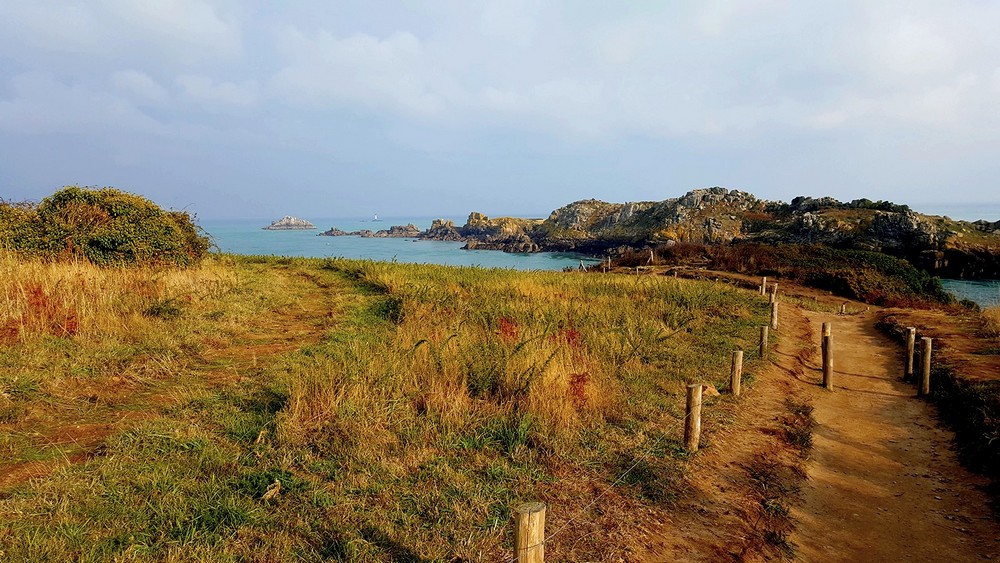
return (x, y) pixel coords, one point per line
(529, 533)
(763, 340)
(827, 347)
(736, 373)
(692, 417)
(763, 285)
(911, 341)
(774, 315)
(924, 388)
(774, 292)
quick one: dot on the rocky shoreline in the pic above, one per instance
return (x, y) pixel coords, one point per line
(939, 245)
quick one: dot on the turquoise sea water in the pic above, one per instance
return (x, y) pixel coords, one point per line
(245, 236)
(986, 293)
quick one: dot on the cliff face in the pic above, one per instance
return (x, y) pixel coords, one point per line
(707, 216)
(509, 234)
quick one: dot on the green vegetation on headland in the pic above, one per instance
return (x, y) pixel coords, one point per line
(259, 408)
(867, 276)
(105, 226)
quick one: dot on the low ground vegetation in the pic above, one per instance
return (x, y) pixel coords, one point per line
(275, 409)
(871, 277)
(103, 226)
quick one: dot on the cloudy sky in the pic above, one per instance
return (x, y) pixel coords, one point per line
(344, 108)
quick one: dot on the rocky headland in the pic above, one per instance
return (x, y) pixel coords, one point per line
(710, 216)
(289, 223)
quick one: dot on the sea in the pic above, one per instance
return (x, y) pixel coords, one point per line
(246, 236)
(985, 293)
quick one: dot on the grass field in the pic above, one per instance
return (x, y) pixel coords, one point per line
(279, 409)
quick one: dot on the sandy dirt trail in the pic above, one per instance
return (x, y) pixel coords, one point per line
(884, 483)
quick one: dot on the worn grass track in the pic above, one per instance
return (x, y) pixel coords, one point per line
(274, 409)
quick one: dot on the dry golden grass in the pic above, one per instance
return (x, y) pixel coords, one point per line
(403, 408)
(87, 302)
(991, 318)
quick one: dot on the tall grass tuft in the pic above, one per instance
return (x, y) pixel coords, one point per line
(418, 405)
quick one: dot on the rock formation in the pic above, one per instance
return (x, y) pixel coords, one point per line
(719, 216)
(289, 223)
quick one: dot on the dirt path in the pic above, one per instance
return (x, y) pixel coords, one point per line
(743, 468)
(884, 483)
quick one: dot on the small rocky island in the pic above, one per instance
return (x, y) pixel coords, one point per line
(395, 231)
(289, 223)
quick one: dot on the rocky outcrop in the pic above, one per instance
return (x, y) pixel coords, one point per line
(509, 234)
(717, 216)
(442, 230)
(395, 231)
(289, 223)
(710, 215)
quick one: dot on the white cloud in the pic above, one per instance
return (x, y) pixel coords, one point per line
(139, 86)
(40, 104)
(203, 89)
(190, 29)
(391, 73)
(155, 31)
(51, 26)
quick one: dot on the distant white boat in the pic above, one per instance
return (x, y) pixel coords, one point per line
(376, 218)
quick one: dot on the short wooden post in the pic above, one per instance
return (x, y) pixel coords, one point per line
(763, 285)
(736, 373)
(827, 347)
(924, 388)
(843, 308)
(774, 292)
(911, 341)
(692, 417)
(529, 533)
(763, 340)
(774, 315)
(772, 297)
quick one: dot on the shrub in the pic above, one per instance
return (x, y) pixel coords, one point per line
(104, 226)
(872, 277)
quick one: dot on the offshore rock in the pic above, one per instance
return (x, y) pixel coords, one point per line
(289, 223)
(395, 231)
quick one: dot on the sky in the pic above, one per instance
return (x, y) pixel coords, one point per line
(236, 109)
